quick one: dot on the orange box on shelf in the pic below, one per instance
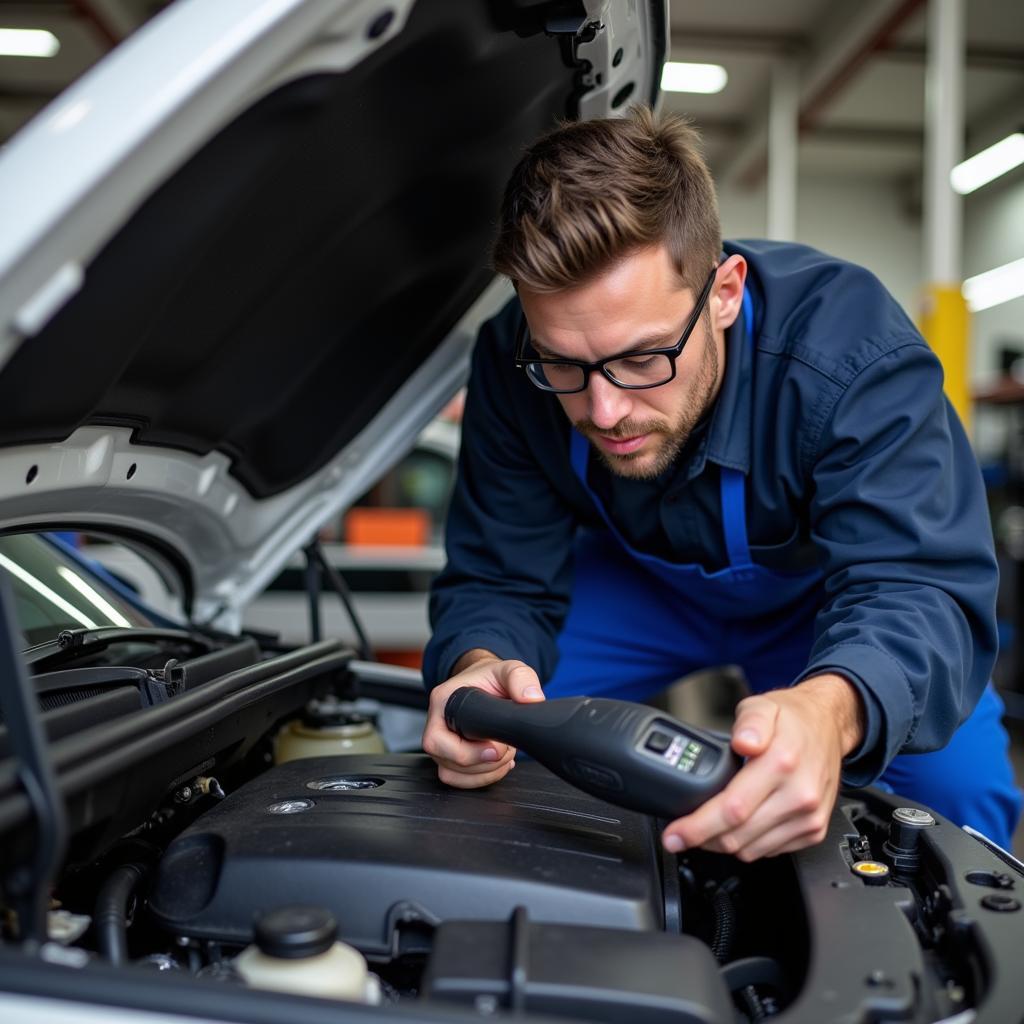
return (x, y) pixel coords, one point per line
(407, 527)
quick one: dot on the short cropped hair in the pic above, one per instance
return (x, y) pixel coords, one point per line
(589, 193)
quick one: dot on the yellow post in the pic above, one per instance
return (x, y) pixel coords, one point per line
(945, 325)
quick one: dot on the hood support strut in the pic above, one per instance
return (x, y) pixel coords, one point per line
(28, 884)
(317, 563)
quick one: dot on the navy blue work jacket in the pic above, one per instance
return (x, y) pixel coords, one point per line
(855, 461)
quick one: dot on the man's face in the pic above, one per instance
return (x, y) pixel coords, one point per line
(639, 303)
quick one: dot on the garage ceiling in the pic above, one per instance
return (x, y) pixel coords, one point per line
(862, 71)
(862, 67)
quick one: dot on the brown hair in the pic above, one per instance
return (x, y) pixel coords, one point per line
(590, 192)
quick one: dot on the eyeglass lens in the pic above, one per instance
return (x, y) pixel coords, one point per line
(633, 371)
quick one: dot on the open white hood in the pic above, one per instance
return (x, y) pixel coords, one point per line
(244, 258)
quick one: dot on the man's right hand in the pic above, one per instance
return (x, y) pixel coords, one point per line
(466, 763)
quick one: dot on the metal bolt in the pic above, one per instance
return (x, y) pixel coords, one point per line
(380, 24)
(913, 816)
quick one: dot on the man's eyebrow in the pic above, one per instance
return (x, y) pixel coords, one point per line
(544, 353)
(666, 340)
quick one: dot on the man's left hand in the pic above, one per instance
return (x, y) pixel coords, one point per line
(782, 798)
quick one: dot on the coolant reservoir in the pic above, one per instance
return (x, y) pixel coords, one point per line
(296, 950)
(326, 728)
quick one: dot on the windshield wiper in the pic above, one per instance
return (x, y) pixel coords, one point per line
(73, 643)
(149, 682)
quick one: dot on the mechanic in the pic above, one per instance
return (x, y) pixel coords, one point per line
(678, 454)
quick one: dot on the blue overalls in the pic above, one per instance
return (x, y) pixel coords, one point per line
(637, 623)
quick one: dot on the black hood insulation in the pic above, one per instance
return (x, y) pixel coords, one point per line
(271, 295)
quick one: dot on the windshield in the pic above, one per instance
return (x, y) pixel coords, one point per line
(54, 591)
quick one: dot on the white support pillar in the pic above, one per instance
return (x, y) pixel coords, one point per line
(783, 117)
(944, 140)
(944, 319)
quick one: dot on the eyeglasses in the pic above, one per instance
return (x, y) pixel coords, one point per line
(634, 370)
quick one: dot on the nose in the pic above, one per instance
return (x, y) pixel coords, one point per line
(606, 404)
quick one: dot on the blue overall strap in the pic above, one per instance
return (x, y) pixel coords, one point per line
(734, 482)
(748, 316)
(734, 516)
(579, 449)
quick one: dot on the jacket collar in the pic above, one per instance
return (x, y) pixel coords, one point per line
(727, 439)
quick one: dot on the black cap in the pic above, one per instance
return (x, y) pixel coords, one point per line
(294, 932)
(319, 714)
(323, 719)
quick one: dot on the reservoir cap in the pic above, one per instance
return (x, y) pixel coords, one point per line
(871, 871)
(295, 932)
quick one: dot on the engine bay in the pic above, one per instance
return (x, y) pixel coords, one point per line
(204, 836)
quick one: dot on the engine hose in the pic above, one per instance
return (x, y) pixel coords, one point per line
(111, 917)
(724, 910)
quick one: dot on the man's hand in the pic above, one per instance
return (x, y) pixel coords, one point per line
(465, 763)
(781, 799)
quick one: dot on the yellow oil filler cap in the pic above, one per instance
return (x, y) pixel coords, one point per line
(871, 871)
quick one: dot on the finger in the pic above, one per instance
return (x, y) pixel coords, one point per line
(774, 813)
(481, 768)
(749, 789)
(446, 746)
(791, 814)
(754, 728)
(521, 682)
(785, 838)
(463, 780)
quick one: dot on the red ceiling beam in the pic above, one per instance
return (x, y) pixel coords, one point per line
(815, 106)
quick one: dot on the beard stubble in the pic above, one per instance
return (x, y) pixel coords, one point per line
(672, 437)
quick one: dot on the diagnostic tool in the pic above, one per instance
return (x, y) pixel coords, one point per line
(627, 754)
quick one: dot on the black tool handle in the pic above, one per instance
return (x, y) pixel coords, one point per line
(628, 754)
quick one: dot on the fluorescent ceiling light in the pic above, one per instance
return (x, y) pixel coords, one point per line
(994, 286)
(93, 596)
(705, 78)
(989, 164)
(50, 595)
(28, 42)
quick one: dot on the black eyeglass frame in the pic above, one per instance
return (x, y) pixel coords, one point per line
(673, 352)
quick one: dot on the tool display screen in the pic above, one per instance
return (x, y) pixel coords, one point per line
(675, 749)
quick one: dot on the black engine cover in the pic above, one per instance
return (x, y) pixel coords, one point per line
(405, 848)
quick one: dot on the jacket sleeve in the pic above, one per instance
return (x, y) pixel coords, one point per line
(509, 533)
(899, 512)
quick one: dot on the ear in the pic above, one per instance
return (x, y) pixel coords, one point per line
(727, 295)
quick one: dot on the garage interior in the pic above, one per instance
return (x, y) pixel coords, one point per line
(829, 129)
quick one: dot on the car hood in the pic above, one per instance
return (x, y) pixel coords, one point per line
(244, 258)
